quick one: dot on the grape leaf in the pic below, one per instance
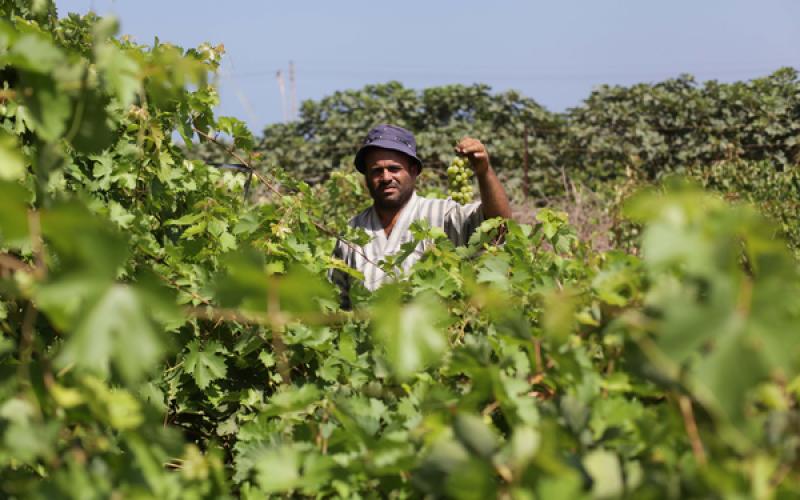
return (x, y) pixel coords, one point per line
(12, 163)
(205, 365)
(409, 334)
(48, 105)
(115, 329)
(120, 71)
(13, 213)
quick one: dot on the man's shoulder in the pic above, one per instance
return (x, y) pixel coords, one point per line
(362, 218)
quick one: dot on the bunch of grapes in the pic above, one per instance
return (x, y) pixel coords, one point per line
(460, 176)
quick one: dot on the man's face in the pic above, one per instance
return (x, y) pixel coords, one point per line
(390, 177)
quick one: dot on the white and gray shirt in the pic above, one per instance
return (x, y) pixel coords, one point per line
(458, 222)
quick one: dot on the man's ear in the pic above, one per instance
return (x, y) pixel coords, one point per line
(417, 169)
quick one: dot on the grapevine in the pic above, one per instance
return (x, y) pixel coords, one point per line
(165, 335)
(460, 177)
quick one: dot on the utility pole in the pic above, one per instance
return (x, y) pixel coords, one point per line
(293, 91)
(525, 185)
(282, 88)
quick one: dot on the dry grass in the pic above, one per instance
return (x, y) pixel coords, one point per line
(592, 215)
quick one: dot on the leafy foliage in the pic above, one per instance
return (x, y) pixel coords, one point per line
(164, 337)
(775, 193)
(676, 124)
(644, 130)
(329, 132)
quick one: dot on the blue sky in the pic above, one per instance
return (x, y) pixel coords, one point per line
(553, 51)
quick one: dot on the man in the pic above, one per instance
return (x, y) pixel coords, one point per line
(388, 159)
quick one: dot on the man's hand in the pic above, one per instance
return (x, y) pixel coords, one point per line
(494, 201)
(476, 153)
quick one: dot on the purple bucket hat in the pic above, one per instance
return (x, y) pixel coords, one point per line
(388, 137)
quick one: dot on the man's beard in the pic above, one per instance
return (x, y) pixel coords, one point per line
(388, 203)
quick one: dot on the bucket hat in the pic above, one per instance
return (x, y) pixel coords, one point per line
(388, 137)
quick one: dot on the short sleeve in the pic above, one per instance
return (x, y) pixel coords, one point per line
(460, 221)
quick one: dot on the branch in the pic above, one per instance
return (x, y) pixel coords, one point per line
(26, 346)
(264, 319)
(691, 429)
(37, 244)
(278, 346)
(8, 261)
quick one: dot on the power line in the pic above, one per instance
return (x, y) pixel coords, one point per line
(323, 73)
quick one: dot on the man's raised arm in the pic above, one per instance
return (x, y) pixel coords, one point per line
(494, 201)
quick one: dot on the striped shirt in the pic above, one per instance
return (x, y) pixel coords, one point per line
(458, 222)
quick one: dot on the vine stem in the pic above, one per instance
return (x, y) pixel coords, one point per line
(37, 244)
(39, 271)
(691, 429)
(10, 262)
(537, 347)
(26, 346)
(6, 95)
(779, 476)
(278, 322)
(490, 408)
(254, 318)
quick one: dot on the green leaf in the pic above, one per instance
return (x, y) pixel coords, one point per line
(524, 445)
(291, 399)
(85, 242)
(473, 480)
(247, 282)
(205, 365)
(475, 435)
(551, 221)
(14, 203)
(96, 130)
(17, 410)
(409, 334)
(277, 469)
(35, 52)
(559, 314)
(26, 442)
(114, 329)
(116, 407)
(12, 163)
(48, 106)
(300, 290)
(606, 473)
(237, 130)
(713, 316)
(244, 282)
(120, 216)
(267, 359)
(495, 270)
(444, 457)
(216, 227)
(227, 242)
(120, 71)
(186, 220)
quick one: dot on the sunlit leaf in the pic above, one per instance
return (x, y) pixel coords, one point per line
(409, 334)
(114, 330)
(12, 163)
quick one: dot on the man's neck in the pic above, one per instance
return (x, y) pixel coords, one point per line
(389, 216)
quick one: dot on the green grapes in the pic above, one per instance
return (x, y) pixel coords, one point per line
(460, 177)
